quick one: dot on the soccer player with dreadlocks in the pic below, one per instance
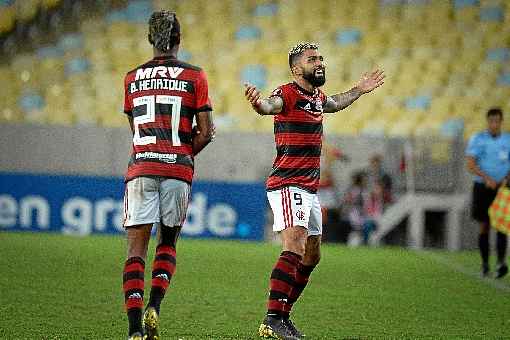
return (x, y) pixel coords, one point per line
(163, 97)
(298, 109)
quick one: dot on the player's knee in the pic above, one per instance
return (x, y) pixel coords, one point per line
(295, 246)
(137, 245)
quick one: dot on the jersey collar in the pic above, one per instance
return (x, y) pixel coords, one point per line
(164, 57)
(304, 90)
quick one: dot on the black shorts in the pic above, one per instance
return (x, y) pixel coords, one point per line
(482, 199)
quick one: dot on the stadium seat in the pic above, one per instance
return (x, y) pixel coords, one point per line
(49, 4)
(26, 10)
(7, 18)
(452, 127)
(254, 74)
(246, 32)
(492, 13)
(348, 36)
(442, 59)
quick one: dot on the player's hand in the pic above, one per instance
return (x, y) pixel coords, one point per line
(195, 131)
(371, 81)
(252, 95)
(490, 183)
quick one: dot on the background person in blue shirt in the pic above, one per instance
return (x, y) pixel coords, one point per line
(488, 160)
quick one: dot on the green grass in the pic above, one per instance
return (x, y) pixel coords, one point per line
(59, 287)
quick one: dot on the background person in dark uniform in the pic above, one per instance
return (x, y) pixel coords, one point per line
(488, 160)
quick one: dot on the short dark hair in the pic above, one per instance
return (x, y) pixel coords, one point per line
(296, 51)
(495, 111)
(164, 30)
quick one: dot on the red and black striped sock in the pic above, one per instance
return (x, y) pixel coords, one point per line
(281, 283)
(133, 286)
(301, 280)
(163, 269)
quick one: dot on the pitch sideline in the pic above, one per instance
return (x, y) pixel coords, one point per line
(502, 286)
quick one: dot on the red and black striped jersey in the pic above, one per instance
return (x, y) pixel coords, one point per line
(163, 96)
(298, 138)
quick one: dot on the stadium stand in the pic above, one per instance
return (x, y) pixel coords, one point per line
(446, 61)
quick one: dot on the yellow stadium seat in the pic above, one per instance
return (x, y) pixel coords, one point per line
(375, 127)
(7, 19)
(467, 15)
(424, 47)
(26, 10)
(10, 114)
(264, 125)
(401, 129)
(342, 124)
(51, 71)
(50, 4)
(429, 128)
(442, 106)
(113, 117)
(465, 108)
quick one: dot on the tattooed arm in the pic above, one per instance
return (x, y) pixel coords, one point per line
(270, 106)
(340, 101)
(366, 84)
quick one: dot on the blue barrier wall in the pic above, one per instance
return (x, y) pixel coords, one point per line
(81, 205)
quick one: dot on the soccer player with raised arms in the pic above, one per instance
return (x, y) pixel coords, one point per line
(162, 99)
(298, 108)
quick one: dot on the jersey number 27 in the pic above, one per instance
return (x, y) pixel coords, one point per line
(150, 116)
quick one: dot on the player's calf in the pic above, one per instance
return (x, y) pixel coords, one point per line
(163, 269)
(133, 286)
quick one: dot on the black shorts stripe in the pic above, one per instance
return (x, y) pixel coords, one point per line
(296, 172)
(299, 150)
(297, 127)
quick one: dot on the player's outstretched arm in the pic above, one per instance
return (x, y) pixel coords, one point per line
(203, 133)
(269, 106)
(367, 83)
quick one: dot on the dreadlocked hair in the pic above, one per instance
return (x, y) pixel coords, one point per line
(297, 50)
(164, 30)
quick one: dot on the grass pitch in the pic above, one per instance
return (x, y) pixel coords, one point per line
(60, 287)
